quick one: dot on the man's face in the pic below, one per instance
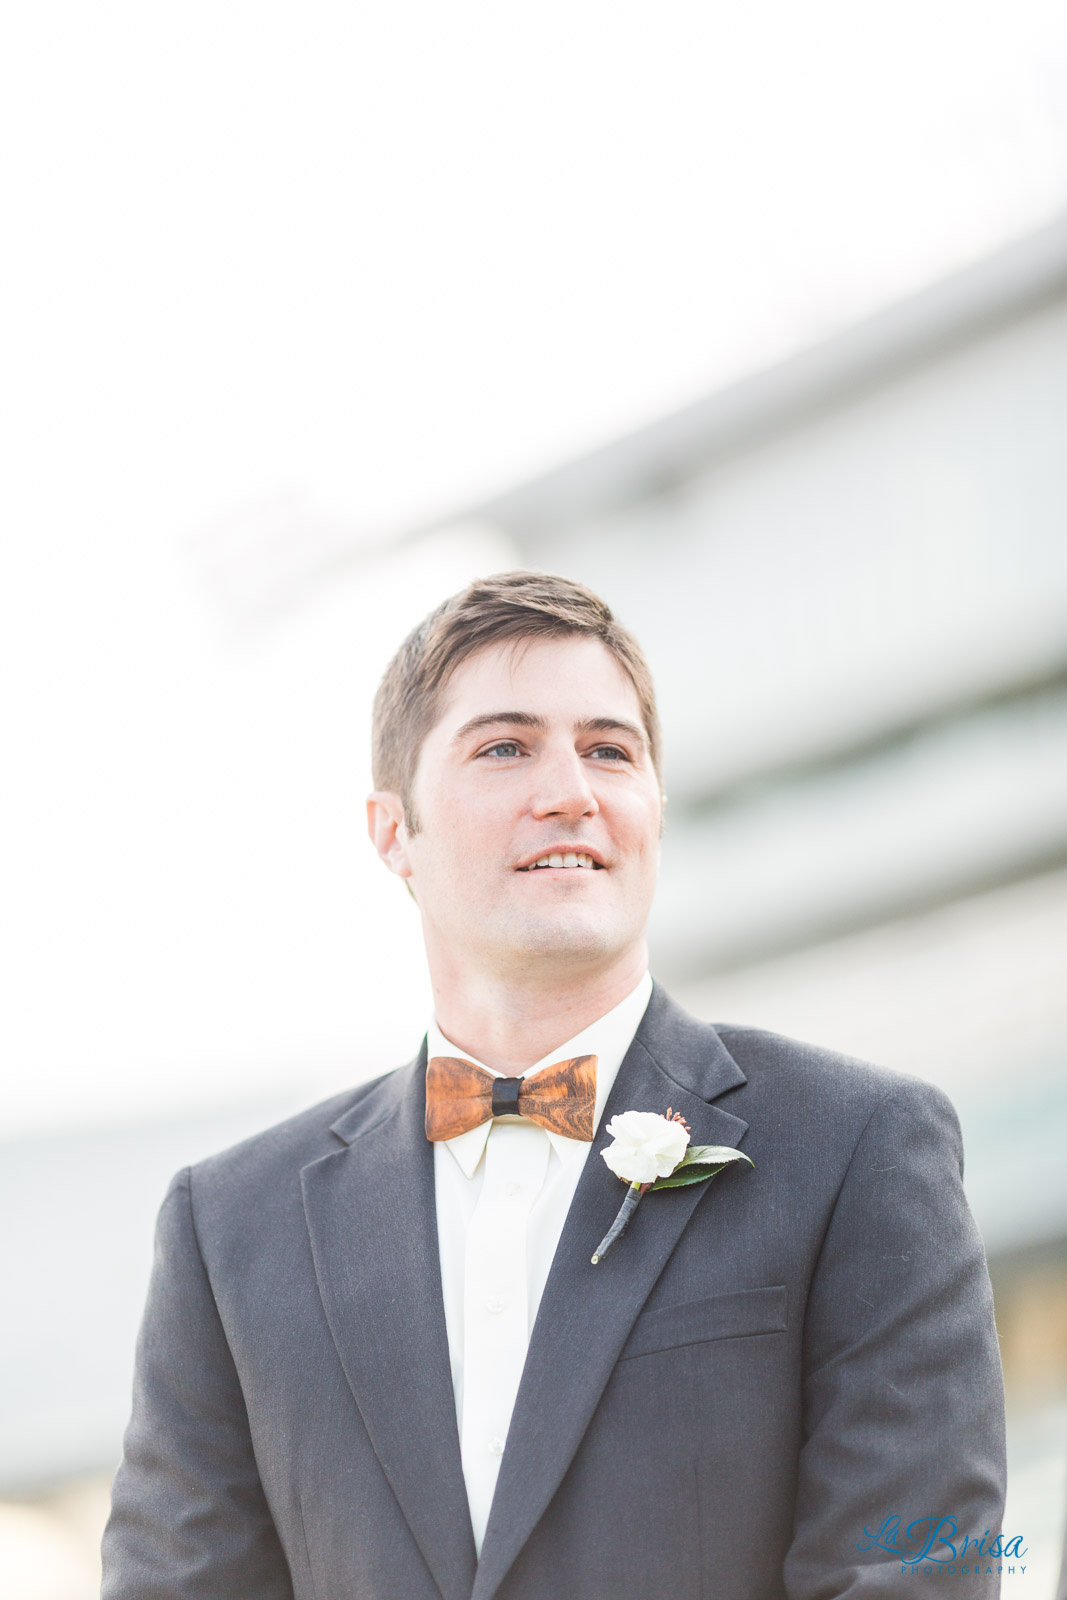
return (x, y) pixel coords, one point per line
(540, 754)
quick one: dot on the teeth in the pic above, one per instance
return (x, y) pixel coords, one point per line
(572, 858)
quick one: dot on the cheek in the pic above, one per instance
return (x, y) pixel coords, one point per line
(461, 844)
(644, 828)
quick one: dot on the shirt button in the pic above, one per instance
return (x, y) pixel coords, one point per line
(513, 1189)
(494, 1303)
(496, 1447)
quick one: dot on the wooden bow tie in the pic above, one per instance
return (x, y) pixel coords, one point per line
(460, 1096)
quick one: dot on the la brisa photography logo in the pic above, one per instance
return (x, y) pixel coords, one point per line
(934, 1545)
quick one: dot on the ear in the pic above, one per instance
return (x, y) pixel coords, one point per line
(388, 833)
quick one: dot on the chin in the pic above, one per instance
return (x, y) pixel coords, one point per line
(575, 939)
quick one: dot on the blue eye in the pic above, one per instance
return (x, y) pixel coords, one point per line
(506, 747)
(611, 750)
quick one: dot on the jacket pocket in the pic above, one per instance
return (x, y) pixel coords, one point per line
(718, 1316)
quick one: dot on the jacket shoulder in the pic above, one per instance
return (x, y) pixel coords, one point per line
(761, 1053)
(807, 1083)
(734, 1063)
(284, 1148)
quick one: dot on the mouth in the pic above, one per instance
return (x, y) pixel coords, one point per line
(569, 860)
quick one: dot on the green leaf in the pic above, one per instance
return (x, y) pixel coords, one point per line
(719, 1154)
(683, 1175)
(701, 1161)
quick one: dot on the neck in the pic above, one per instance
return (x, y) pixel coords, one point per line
(511, 1023)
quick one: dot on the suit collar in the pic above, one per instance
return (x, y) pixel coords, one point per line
(688, 1053)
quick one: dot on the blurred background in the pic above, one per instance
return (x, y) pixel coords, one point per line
(755, 319)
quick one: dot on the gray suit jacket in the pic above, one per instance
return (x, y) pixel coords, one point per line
(766, 1365)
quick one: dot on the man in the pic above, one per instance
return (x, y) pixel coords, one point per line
(378, 1361)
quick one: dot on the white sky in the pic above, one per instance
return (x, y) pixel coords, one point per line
(376, 262)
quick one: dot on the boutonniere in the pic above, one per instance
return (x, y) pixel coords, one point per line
(653, 1152)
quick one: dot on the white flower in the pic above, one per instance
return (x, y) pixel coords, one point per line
(646, 1147)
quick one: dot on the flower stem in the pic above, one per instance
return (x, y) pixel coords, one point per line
(626, 1211)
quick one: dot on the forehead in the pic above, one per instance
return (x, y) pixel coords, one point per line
(567, 679)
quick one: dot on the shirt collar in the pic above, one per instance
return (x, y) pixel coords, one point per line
(608, 1038)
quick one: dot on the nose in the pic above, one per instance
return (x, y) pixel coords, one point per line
(563, 788)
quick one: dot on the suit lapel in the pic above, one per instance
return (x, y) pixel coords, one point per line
(586, 1312)
(371, 1216)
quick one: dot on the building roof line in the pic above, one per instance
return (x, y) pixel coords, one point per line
(1015, 281)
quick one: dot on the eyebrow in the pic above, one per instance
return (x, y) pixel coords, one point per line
(526, 719)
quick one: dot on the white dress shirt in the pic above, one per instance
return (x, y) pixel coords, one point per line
(502, 1192)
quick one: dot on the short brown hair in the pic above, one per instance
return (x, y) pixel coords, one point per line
(509, 605)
